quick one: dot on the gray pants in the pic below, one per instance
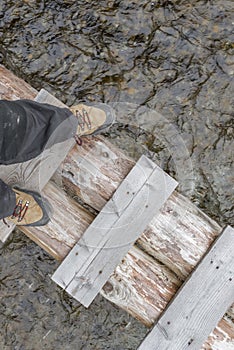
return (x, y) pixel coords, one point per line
(26, 128)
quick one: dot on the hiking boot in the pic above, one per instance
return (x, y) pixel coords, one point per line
(92, 119)
(31, 209)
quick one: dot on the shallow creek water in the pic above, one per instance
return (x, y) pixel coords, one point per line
(172, 57)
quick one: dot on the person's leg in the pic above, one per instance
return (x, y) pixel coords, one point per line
(7, 200)
(27, 127)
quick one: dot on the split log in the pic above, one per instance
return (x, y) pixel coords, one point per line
(200, 303)
(178, 237)
(146, 280)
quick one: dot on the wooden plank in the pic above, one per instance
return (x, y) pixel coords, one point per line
(200, 303)
(222, 337)
(35, 173)
(137, 200)
(14, 88)
(142, 284)
(178, 236)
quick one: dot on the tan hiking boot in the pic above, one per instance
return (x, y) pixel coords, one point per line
(92, 119)
(31, 209)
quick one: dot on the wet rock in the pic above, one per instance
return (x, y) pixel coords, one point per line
(170, 56)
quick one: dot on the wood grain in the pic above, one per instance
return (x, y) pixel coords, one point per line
(178, 236)
(221, 338)
(14, 88)
(108, 239)
(141, 284)
(200, 303)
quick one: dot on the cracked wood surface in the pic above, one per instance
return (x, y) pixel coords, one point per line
(200, 303)
(141, 284)
(121, 221)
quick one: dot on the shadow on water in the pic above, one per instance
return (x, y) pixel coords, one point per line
(170, 56)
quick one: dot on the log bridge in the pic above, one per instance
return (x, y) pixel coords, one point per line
(175, 266)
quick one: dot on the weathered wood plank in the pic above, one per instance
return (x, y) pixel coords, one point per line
(200, 303)
(222, 337)
(102, 247)
(35, 173)
(141, 285)
(178, 236)
(14, 88)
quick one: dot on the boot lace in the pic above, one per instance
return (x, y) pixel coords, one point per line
(19, 211)
(83, 119)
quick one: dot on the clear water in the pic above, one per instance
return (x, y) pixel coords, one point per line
(172, 57)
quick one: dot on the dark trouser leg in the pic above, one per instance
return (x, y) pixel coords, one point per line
(28, 127)
(7, 200)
